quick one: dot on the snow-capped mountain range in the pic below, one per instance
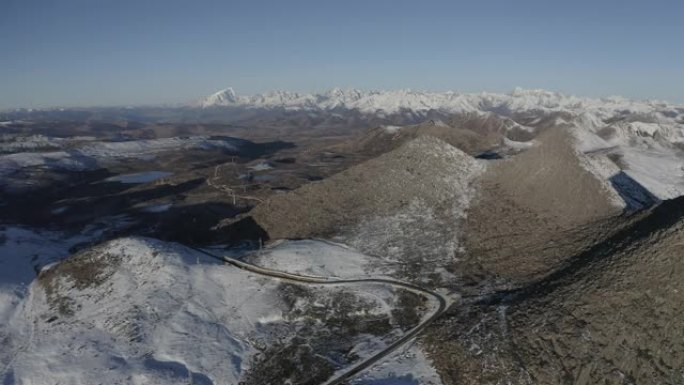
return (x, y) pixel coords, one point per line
(628, 119)
(389, 102)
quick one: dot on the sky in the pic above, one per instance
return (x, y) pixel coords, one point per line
(132, 52)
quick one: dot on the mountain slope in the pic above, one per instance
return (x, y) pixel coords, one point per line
(612, 316)
(536, 208)
(471, 132)
(425, 168)
(404, 207)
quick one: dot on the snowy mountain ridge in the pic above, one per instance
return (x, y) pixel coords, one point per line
(519, 100)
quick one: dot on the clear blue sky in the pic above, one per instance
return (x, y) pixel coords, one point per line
(128, 52)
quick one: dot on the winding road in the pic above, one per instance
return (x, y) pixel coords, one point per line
(348, 373)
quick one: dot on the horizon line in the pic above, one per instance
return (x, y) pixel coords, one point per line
(193, 103)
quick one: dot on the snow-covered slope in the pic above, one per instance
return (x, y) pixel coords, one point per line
(95, 154)
(141, 311)
(650, 154)
(166, 324)
(18, 143)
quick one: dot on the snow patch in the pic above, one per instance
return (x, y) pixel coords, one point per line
(392, 129)
(261, 166)
(407, 366)
(315, 258)
(518, 145)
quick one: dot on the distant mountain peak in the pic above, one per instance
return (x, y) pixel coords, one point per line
(221, 98)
